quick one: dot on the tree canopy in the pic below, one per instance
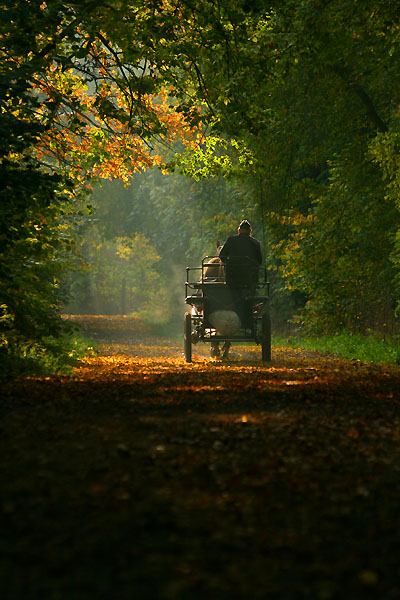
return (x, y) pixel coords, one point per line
(294, 104)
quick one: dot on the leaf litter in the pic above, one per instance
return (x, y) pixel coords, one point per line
(141, 476)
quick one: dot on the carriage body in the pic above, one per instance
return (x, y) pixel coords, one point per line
(228, 307)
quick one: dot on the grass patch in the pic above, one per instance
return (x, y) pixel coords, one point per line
(371, 348)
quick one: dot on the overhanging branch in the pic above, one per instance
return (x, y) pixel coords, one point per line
(364, 97)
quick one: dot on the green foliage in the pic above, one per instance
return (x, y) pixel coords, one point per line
(120, 277)
(52, 355)
(365, 348)
(336, 255)
(34, 238)
(332, 215)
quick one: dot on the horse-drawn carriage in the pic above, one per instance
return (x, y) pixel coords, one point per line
(229, 303)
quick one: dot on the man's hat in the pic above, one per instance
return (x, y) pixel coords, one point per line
(245, 225)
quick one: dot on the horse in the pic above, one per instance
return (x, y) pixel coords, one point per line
(214, 269)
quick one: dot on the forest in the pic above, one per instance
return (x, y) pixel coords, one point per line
(134, 138)
(137, 135)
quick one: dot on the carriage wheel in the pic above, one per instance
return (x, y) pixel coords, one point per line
(266, 336)
(187, 338)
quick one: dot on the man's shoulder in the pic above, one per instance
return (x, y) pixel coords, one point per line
(230, 238)
(255, 240)
(241, 237)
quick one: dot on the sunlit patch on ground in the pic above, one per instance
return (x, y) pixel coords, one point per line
(149, 360)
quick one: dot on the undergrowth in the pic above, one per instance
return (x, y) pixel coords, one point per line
(52, 356)
(370, 348)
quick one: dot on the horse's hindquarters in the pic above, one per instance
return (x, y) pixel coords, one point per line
(225, 322)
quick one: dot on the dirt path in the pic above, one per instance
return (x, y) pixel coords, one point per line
(141, 477)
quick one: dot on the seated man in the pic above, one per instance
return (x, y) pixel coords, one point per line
(241, 255)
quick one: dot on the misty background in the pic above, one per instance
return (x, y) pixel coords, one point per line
(136, 241)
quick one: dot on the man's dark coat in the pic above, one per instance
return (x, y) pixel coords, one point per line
(240, 246)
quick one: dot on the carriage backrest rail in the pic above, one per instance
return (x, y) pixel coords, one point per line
(195, 279)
